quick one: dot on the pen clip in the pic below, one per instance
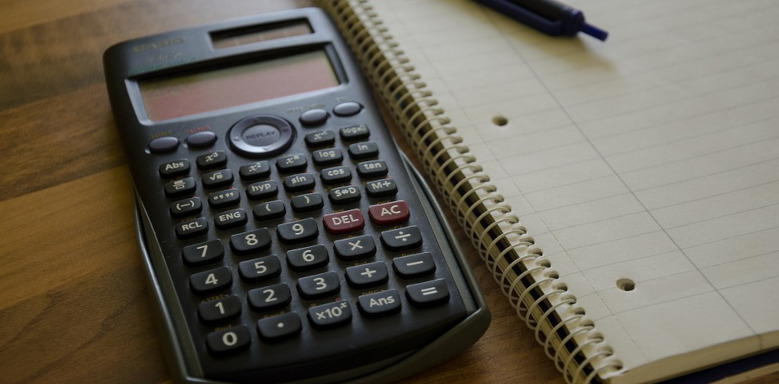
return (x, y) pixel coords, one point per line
(525, 16)
(570, 23)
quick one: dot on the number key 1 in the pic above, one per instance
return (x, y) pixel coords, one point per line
(220, 309)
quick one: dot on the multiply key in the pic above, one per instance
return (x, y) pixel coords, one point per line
(355, 248)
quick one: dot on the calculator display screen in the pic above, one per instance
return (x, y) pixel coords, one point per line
(175, 96)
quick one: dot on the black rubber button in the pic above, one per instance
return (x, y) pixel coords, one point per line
(413, 266)
(221, 309)
(330, 315)
(174, 168)
(211, 281)
(279, 327)
(203, 253)
(228, 340)
(379, 304)
(274, 296)
(428, 293)
(318, 286)
(402, 239)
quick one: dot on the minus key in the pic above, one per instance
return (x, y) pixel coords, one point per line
(409, 267)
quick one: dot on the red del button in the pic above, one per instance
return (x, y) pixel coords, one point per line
(389, 213)
(344, 222)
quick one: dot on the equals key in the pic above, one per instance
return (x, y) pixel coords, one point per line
(428, 293)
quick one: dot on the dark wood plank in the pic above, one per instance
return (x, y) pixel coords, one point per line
(57, 139)
(74, 306)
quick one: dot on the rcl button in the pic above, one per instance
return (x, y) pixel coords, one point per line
(344, 222)
(389, 213)
(192, 228)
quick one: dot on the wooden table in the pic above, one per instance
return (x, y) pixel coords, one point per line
(74, 307)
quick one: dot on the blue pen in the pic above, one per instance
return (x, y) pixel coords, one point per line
(547, 16)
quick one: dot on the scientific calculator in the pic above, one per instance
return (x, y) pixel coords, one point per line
(285, 238)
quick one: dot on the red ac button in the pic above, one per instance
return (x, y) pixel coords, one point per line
(389, 213)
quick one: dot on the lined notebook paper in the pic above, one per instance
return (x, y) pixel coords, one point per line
(645, 167)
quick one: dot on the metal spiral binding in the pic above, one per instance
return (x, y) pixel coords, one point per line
(523, 273)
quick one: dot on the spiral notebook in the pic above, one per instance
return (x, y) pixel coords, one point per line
(624, 194)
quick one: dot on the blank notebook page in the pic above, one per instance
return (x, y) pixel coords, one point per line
(646, 167)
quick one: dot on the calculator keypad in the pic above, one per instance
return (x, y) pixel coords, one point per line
(314, 240)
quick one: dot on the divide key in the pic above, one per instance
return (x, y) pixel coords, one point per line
(402, 238)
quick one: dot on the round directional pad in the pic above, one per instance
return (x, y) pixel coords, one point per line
(261, 136)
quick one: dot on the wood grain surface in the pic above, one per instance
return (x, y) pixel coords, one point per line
(74, 307)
